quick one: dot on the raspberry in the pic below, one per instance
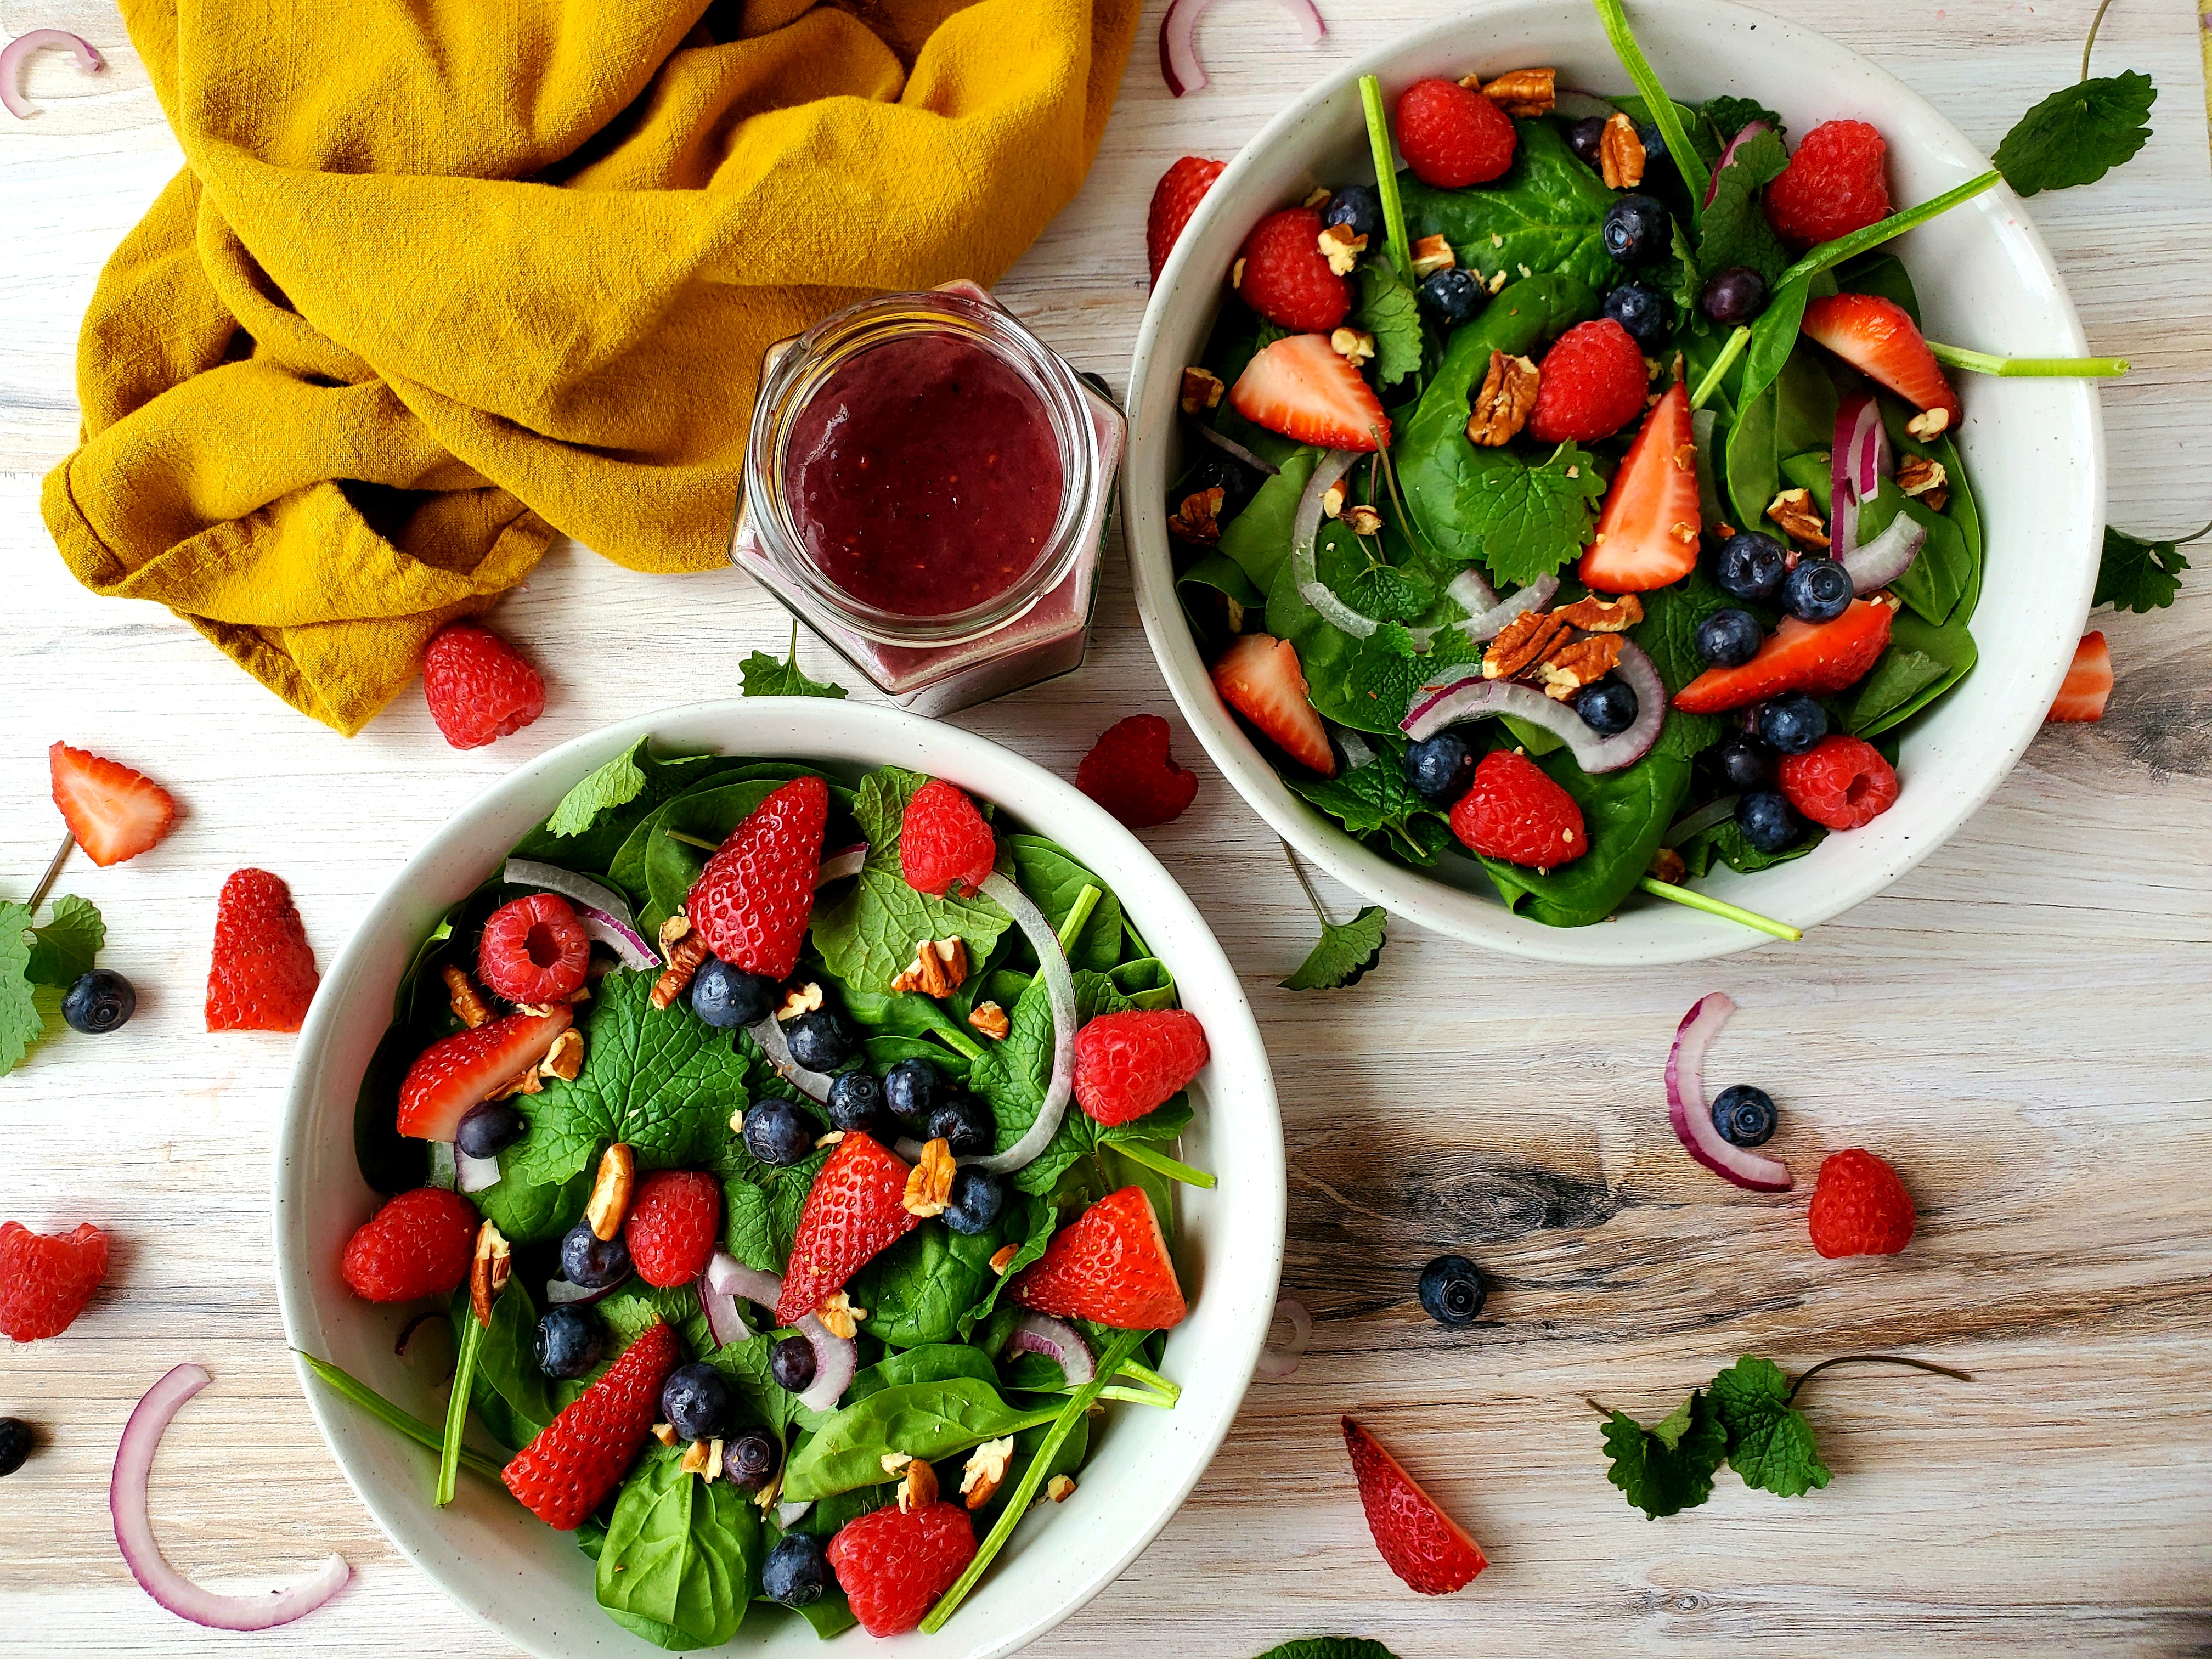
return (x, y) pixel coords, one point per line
(1452, 138)
(45, 1278)
(479, 688)
(1130, 773)
(262, 976)
(674, 1222)
(1286, 278)
(417, 1245)
(944, 842)
(1859, 1207)
(1175, 198)
(1515, 811)
(534, 950)
(1833, 186)
(1591, 385)
(1126, 1064)
(1841, 782)
(894, 1563)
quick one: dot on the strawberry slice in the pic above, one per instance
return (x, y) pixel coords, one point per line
(113, 812)
(853, 1212)
(1259, 677)
(580, 1456)
(1422, 1544)
(456, 1073)
(1798, 656)
(1175, 198)
(1301, 388)
(1647, 535)
(1110, 1266)
(752, 902)
(1875, 336)
(2088, 683)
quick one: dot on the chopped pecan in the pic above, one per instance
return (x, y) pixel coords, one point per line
(524, 1082)
(1355, 345)
(1236, 275)
(1198, 519)
(1571, 667)
(1501, 407)
(1316, 198)
(939, 969)
(1800, 519)
(1059, 1488)
(462, 996)
(918, 1486)
(1521, 644)
(565, 1059)
(1472, 82)
(991, 1020)
(665, 1433)
(1936, 499)
(1621, 154)
(1003, 1258)
(608, 1207)
(1596, 614)
(1363, 520)
(1525, 94)
(929, 1183)
(800, 1000)
(840, 1317)
(1929, 424)
(828, 1138)
(1666, 865)
(1202, 390)
(1332, 498)
(489, 1270)
(1497, 281)
(1342, 246)
(1917, 475)
(703, 1457)
(683, 950)
(985, 1471)
(1430, 255)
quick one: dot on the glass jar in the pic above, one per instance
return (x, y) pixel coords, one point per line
(876, 509)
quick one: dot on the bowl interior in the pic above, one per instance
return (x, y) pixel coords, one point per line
(531, 1584)
(2034, 449)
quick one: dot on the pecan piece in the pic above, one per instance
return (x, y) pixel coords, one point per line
(917, 1485)
(488, 1271)
(683, 950)
(1621, 154)
(840, 1317)
(1430, 255)
(1342, 246)
(1355, 345)
(1003, 1258)
(1363, 520)
(565, 1059)
(1501, 407)
(1571, 667)
(524, 1082)
(800, 1000)
(1917, 475)
(1202, 390)
(991, 1020)
(1198, 519)
(462, 996)
(985, 1471)
(1059, 1488)
(929, 1183)
(1666, 865)
(1524, 93)
(608, 1207)
(1929, 424)
(1521, 644)
(1596, 614)
(939, 968)
(1800, 519)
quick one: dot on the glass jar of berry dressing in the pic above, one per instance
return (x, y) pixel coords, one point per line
(926, 485)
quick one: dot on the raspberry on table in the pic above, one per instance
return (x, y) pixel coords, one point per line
(1591, 384)
(45, 1278)
(1130, 773)
(1859, 1207)
(1834, 185)
(478, 686)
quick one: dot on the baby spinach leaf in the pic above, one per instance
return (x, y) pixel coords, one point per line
(934, 1362)
(1387, 310)
(870, 934)
(1667, 1468)
(1053, 881)
(1546, 214)
(1146, 981)
(680, 1551)
(916, 1291)
(929, 1420)
(2135, 574)
(533, 1212)
(1033, 1220)
(910, 1014)
(2078, 134)
(1887, 697)
(761, 1398)
(507, 1363)
(1770, 1443)
(1936, 581)
(1625, 814)
(1257, 541)
(62, 951)
(1731, 115)
(599, 812)
(764, 676)
(1726, 842)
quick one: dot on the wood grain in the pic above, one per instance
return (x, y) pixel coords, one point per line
(2021, 1023)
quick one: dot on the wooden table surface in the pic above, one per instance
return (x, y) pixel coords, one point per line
(2020, 1025)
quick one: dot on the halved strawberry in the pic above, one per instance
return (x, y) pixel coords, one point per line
(2088, 683)
(1301, 388)
(1424, 1546)
(1875, 336)
(1259, 677)
(113, 812)
(1647, 535)
(456, 1073)
(1798, 656)
(1110, 1266)
(854, 1211)
(1175, 198)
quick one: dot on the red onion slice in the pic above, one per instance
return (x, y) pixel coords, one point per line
(1713, 183)
(836, 1360)
(1437, 707)
(788, 1516)
(473, 1175)
(13, 55)
(1356, 754)
(1693, 1120)
(1057, 1341)
(604, 912)
(718, 1299)
(1060, 987)
(815, 1086)
(845, 861)
(1856, 465)
(730, 1276)
(134, 1528)
(1305, 528)
(1179, 64)
(1487, 613)
(1277, 1363)
(1887, 557)
(1229, 446)
(560, 1290)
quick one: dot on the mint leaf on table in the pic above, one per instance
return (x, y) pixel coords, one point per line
(1528, 517)
(1344, 953)
(1730, 116)
(1330, 1647)
(1769, 1442)
(764, 676)
(19, 1021)
(869, 935)
(2078, 134)
(63, 950)
(2137, 575)
(1669, 1467)
(1387, 309)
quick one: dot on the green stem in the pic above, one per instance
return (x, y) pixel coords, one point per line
(1733, 350)
(1312, 897)
(1017, 1506)
(1078, 914)
(1386, 177)
(1982, 363)
(53, 870)
(1687, 161)
(348, 1387)
(1161, 1164)
(457, 1407)
(1136, 1397)
(1873, 1360)
(959, 1040)
(692, 841)
(2090, 45)
(1859, 241)
(1713, 907)
(1152, 1378)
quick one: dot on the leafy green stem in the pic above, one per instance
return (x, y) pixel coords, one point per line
(1713, 907)
(1151, 1378)
(1386, 177)
(1711, 383)
(1136, 1397)
(1982, 363)
(1161, 1164)
(959, 1040)
(348, 1387)
(1860, 241)
(53, 873)
(1873, 1360)
(1312, 897)
(1691, 165)
(2090, 45)
(457, 1407)
(1078, 914)
(692, 841)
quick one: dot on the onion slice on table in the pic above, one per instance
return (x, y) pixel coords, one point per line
(837, 1358)
(1279, 1363)
(1179, 64)
(1713, 183)
(1693, 1119)
(845, 861)
(604, 912)
(134, 1528)
(1057, 1341)
(14, 53)
(768, 1033)
(1437, 707)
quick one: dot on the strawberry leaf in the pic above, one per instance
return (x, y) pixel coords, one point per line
(1769, 1442)
(1667, 1468)
(2137, 575)
(2078, 134)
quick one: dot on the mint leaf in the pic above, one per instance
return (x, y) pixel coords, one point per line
(1389, 592)
(1734, 230)
(2137, 574)
(593, 818)
(1387, 310)
(1529, 517)
(1669, 1469)
(1344, 954)
(1376, 799)
(2078, 134)
(62, 951)
(868, 936)
(763, 676)
(616, 784)
(1330, 1647)
(1730, 116)
(1770, 1442)
(20, 1024)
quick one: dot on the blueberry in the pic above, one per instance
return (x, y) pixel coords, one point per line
(1817, 591)
(730, 997)
(796, 1572)
(1746, 764)
(1640, 311)
(1750, 565)
(777, 1132)
(1359, 206)
(1729, 638)
(1653, 140)
(856, 1102)
(966, 1122)
(1769, 822)
(1440, 768)
(974, 1201)
(696, 1402)
(1219, 471)
(1636, 230)
(1454, 295)
(99, 1001)
(568, 1342)
(1793, 723)
(791, 1362)
(819, 1041)
(910, 1089)
(1744, 1115)
(489, 1129)
(1585, 136)
(1733, 297)
(14, 1443)
(592, 1263)
(1452, 1289)
(751, 1459)
(1609, 707)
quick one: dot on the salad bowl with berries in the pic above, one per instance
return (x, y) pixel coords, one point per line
(1665, 492)
(753, 1180)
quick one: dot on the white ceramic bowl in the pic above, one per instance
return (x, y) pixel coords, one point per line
(2034, 448)
(530, 1583)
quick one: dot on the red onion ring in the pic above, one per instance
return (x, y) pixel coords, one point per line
(13, 55)
(1693, 1120)
(788, 1516)
(134, 1528)
(473, 1175)
(1857, 464)
(815, 1086)
(606, 915)
(719, 1297)
(1179, 64)
(1305, 528)
(1230, 445)
(1277, 1363)
(1060, 987)
(1487, 613)
(1887, 557)
(845, 861)
(837, 1358)
(561, 1291)
(1437, 707)
(1713, 183)
(1058, 1341)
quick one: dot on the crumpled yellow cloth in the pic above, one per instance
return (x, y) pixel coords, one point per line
(442, 279)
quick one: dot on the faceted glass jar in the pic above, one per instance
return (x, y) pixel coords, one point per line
(1036, 627)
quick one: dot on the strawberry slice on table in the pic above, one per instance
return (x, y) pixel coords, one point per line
(1129, 1063)
(261, 977)
(1422, 1544)
(456, 1073)
(1303, 389)
(1647, 533)
(1175, 198)
(580, 1456)
(2088, 683)
(113, 812)
(1259, 677)
(854, 1211)
(1798, 656)
(1110, 1266)
(1875, 336)
(893, 1564)
(752, 901)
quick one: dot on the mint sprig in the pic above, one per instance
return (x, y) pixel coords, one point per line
(54, 956)
(2139, 575)
(1346, 949)
(764, 676)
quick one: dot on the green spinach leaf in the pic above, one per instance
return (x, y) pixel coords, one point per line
(870, 934)
(916, 1291)
(1625, 815)
(1257, 541)
(1546, 214)
(680, 1551)
(929, 1420)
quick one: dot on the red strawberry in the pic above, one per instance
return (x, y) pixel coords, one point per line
(262, 976)
(1590, 384)
(944, 842)
(1126, 1064)
(1130, 773)
(45, 1278)
(1859, 1207)
(534, 950)
(1421, 1544)
(113, 812)
(1841, 782)
(478, 686)
(1452, 136)
(1647, 534)
(853, 1212)
(417, 1245)
(1517, 811)
(752, 901)
(1285, 276)
(1798, 656)
(2088, 683)
(580, 1457)
(674, 1223)
(1833, 186)
(1301, 388)
(1175, 198)
(1878, 338)
(1259, 679)
(893, 1564)
(1110, 1265)
(456, 1073)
